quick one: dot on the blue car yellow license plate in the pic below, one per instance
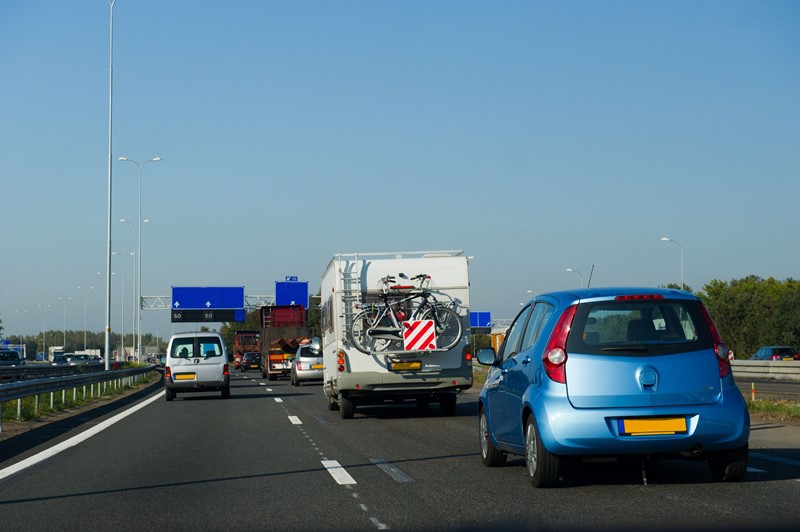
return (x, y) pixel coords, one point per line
(652, 426)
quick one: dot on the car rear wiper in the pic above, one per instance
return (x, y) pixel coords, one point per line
(640, 348)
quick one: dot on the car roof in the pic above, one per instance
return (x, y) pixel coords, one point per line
(196, 334)
(613, 291)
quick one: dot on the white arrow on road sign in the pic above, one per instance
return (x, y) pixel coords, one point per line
(208, 304)
(177, 304)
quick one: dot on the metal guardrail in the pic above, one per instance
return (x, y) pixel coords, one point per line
(26, 388)
(778, 370)
(40, 371)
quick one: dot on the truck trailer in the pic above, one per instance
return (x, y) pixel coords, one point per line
(283, 329)
(393, 372)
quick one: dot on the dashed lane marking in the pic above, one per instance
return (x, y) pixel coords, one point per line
(295, 420)
(393, 471)
(278, 400)
(338, 472)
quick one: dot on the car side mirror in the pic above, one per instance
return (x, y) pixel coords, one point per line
(487, 356)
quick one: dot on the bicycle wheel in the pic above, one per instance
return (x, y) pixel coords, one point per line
(359, 336)
(449, 328)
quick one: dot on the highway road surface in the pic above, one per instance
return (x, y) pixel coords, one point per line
(273, 457)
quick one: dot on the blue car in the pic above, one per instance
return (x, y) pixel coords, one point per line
(612, 372)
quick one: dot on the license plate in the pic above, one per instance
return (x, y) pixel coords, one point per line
(317, 366)
(652, 426)
(405, 366)
(184, 377)
(253, 365)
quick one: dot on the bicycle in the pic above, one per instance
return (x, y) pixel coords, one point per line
(380, 326)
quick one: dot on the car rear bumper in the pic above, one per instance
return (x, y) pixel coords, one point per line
(565, 430)
(309, 374)
(198, 386)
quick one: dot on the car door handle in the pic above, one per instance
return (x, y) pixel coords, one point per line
(526, 361)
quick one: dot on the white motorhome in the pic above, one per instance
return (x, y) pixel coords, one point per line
(395, 372)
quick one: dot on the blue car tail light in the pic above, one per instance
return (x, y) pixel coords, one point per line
(720, 349)
(555, 353)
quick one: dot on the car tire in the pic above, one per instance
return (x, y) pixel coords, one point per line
(542, 466)
(226, 392)
(170, 395)
(347, 407)
(448, 405)
(333, 404)
(270, 376)
(490, 456)
(729, 466)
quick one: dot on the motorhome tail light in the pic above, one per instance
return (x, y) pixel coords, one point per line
(225, 370)
(340, 361)
(467, 355)
(639, 297)
(720, 349)
(554, 358)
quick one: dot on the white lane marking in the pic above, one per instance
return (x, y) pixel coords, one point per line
(268, 389)
(278, 400)
(378, 524)
(392, 470)
(295, 420)
(337, 472)
(75, 440)
(260, 383)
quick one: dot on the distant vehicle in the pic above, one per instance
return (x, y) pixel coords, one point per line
(9, 357)
(307, 364)
(80, 359)
(776, 352)
(196, 362)
(283, 328)
(59, 360)
(245, 342)
(251, 360)
(610, 372)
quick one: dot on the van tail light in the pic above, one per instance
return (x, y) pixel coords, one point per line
(555, 353)
(720, 349)
(225, 370)
(168, 373)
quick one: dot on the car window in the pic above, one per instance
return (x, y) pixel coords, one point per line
(540, 315)
(511, 344)
(210, 347)
(651, 326)
(8, 355)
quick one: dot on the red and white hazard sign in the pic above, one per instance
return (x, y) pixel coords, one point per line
(419, 335)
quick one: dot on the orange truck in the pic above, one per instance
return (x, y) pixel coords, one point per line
(283, 328)
(245, 342)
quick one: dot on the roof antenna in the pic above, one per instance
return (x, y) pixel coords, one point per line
(590, 277)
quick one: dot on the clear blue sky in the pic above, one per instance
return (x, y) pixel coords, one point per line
(535, 136)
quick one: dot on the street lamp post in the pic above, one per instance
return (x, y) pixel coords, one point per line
(667, 239)
(85, 294)
(65, 299)
(122, 302)
(579, 275)
(44, 329)
(133, 299)
(139, 253)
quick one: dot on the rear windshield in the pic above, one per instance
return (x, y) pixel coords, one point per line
(8, 355)
(196, 347)
(646, 327)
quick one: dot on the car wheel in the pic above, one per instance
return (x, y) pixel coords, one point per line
(490, 456)
(226, 392)
(543, 467)
(270, 376)
(169, 394)
(448, 405)
(347, 407)
(333, 404)
(729, 466)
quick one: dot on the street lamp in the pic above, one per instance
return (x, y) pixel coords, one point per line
(139, 252)
(667, 239)
(65, 299)
(85, 293)
(122, 302)
(133, 299)
(44, 329)
(579, 274)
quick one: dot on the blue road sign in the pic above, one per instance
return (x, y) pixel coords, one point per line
(291, 293)
(480, 319)
(207, 297)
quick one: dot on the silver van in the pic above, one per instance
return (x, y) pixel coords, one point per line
(196, 362)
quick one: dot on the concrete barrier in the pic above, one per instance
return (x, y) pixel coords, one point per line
(777, 370)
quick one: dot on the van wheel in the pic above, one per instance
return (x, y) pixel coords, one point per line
(543, 467)
(729, 466)
(490, 456)
(347, 407)
(226, 392)
(169, 394)
(448, 405)
(333, 404)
